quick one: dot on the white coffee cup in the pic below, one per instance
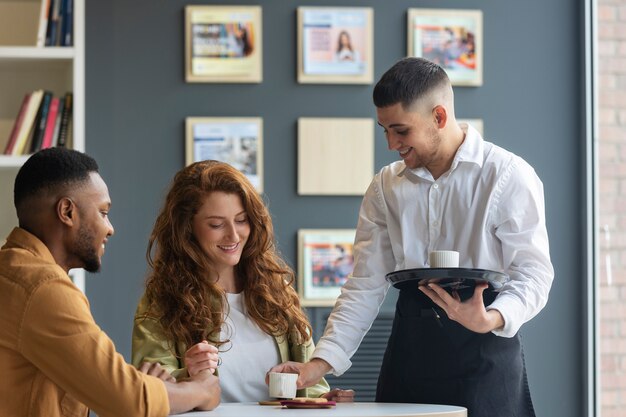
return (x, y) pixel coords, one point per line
(443, 259)
(283, 385)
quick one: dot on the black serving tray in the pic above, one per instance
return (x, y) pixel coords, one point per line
(452, 279)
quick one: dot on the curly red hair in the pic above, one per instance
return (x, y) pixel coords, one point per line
(191, 307)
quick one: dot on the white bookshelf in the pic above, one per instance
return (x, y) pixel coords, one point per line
(25, 68)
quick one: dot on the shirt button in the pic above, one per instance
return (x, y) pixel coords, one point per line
(435, 186)
(435, 223)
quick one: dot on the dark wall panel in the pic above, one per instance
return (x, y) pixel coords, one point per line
(530, 102)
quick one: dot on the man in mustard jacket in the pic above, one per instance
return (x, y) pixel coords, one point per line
(55, 359)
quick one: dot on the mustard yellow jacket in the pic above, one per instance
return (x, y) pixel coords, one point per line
(149, 346)
(55, 360)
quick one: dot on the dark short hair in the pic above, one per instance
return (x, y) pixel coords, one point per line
(51, 168)
(407, 81)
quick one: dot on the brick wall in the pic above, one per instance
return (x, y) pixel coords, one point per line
(612, 204)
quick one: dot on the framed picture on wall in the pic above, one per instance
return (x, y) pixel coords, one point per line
(236, 141)
(223, 44)
(325, 260)
(451, 38)
(335, 45)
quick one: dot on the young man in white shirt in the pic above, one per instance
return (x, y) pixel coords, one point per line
(451, 191)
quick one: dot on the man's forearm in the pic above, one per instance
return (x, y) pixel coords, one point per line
(321, 366)
(193, 394)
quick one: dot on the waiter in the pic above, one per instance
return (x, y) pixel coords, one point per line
(451, 190)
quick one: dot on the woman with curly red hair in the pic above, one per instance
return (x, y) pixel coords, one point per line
(217, 283)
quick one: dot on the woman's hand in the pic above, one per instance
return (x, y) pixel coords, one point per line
(340, 395)
(201, 357)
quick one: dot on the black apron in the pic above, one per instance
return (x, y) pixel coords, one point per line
(431, 359)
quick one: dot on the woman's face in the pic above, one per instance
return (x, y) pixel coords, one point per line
(221, 228)
(344, 39)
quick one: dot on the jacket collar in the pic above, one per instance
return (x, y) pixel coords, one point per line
(22, 239)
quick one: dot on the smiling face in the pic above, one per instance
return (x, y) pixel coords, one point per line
(413, 134)
(221, 228)
(93, 204)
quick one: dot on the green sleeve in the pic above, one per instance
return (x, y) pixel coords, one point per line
(302, 353)
(149, 344)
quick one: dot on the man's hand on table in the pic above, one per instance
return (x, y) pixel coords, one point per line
(309, 373)
(200, 391)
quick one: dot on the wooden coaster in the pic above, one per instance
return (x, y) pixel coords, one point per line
(277, 402)
(308, 404)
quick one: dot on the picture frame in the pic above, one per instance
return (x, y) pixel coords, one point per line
(223, 44)
(335, 45)
(335, 155)
(237, 141)
(451, 38)
(325, 261)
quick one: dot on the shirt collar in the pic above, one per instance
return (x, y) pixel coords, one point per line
(472, 148)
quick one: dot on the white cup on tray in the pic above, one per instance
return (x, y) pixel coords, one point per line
(443, 259)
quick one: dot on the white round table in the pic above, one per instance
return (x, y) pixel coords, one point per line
(341, 410)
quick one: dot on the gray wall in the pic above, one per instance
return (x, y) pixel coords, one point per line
(530, 102)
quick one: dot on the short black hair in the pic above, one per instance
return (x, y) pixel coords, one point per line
(408, 80)
(51, 168)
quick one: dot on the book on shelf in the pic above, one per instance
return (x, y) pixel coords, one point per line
(57, 37)
(67, 26)
(53, 21)
(66, 118)
(43, 23)
(8, 150)
(40, 122)
(50, 24)
(60, 23)
(48, 136)
(26, 129)
(57, 123)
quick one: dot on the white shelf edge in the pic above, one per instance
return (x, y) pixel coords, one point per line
(8, 161)
(24, 53)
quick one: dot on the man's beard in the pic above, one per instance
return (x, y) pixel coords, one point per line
(86, 251)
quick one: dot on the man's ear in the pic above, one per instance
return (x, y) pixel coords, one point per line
(66, 211)
(441, 116)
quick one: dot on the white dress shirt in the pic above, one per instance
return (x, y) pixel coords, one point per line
(489, 207)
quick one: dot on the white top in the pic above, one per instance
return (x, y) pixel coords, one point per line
(251, 353)
(489, 207)
(341, 410)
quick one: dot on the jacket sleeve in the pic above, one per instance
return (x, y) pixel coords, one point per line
(302, 353)
(149, 344)
(60, 337)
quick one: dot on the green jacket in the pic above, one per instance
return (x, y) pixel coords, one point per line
(149, 346)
